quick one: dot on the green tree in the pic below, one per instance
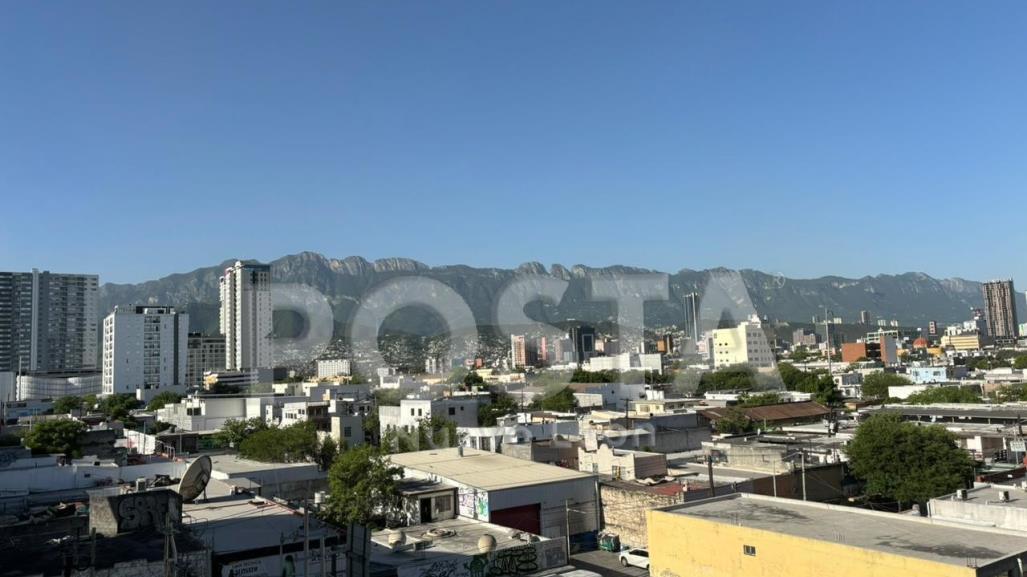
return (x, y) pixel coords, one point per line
(234, 431)
(472, 379)
(501, 404)
(118, 407)
(560, 401)
(57, 436)
(761, 399)
(944, 395)
(293, 444)
(907, 462)
(734, 378)
(165, 398)
(388, 397)
(583, 376)
(372, 427)
(437, 431)
(362, 486)
(1011, 393)
(875, 385)
(734, 421)
(457, 376)
(65, 405)
(327, 451)
(1020, 362)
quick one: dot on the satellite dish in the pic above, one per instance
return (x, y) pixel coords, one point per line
(195, 479)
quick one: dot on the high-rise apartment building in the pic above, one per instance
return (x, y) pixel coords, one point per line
(1000, 308)
(205, 353)
(246, 316)
(745, 344)
(330, 368)
(144, 351)
(518, 351)
(48, 322)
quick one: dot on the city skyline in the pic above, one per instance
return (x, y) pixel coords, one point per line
(368, 128)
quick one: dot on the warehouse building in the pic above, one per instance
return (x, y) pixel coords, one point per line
(741, 535)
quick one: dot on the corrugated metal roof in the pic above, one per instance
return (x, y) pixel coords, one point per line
(779, 412)
(484, 470)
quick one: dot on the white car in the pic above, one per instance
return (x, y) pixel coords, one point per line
(635, 558)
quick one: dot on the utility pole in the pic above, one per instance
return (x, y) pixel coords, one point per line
(775, 478)
(306, 539)
(567, 523)
(167, 546)
(709, 470)
(802, 457)
(323, 555)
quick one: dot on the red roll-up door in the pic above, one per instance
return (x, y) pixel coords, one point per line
(524, 518)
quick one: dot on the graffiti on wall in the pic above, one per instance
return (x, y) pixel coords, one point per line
(147, 509)
(474, 504)
(481, 505)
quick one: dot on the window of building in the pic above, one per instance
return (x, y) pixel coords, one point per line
(347, 432)
(452, 410)
(444, 504)
(749, 550)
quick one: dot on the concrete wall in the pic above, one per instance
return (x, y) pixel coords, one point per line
(54, 478)
(624, 511)
(627, 465)
(111, 512)
(1004, 517)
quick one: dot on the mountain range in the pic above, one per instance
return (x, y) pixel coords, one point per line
(911, 298)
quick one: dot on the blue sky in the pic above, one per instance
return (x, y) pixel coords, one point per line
(807, 138)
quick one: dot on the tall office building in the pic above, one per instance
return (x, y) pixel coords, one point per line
(204, 353)
(583, 339)
(144, 351)
(691, 325)
(246, 316)
(1000, 308)
(865, 317)
(48, 322)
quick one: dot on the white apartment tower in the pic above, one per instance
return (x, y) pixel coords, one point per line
(745, 344)
(144, 351)
(246, 316)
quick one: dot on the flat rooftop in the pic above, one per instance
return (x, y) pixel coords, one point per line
(241, 522)
(485, 470)
(958, 410)
(231, 464)
(451, 536)
(989, 495)
(905, 535)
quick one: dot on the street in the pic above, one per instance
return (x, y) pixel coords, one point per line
(606, 564)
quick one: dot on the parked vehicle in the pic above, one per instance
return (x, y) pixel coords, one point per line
(635, 558)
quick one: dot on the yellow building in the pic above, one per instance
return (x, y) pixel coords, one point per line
(967, 342)
(745, 535)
